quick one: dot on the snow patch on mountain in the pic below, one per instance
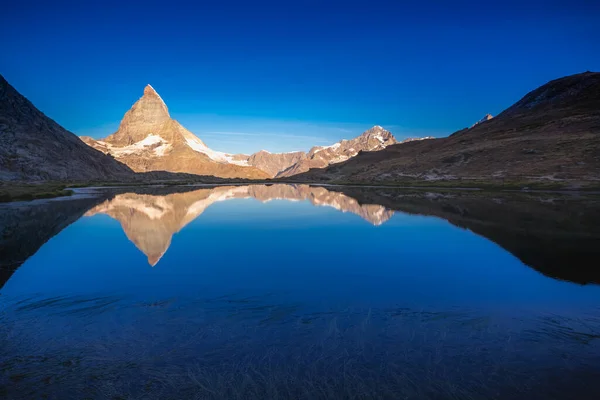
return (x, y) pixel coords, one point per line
(138, 147)
(487, 117)
(156, 210)
(198, 207)
(334, 146)
(197, 145)
(162, 149)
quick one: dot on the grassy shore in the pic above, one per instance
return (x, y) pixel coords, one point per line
(31, 191)
(25, 192)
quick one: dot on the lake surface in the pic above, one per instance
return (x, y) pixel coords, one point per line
(292, 291)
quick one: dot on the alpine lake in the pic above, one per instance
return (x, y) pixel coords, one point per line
(300, 292)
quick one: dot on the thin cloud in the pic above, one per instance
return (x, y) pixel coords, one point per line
(281, 135)
(342, 130)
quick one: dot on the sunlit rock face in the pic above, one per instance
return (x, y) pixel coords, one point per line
(147, 115)
(551, 135)
(148, 139)
(274, 163)
(374, 139)
(283, 165)
(150, 221)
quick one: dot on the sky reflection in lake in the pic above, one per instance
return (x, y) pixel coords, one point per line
(240, 270)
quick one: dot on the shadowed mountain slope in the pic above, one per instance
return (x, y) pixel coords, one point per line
(33, 147)
(553, 133)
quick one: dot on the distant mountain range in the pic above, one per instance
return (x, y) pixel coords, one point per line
(552, 134)
(148, 139)
(288, 164)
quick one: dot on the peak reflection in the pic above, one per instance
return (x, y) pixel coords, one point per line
(150, 221)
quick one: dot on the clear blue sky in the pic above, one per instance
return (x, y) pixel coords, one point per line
(286, 75)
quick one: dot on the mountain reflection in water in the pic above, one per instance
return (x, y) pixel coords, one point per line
(150, 221)
(557, 234)
(402, 294)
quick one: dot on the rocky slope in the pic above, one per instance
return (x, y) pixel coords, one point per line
(295, 162)
(551, 134)
(274, 163)
(487, 117)
(373, 139)
(33, 147)
(148, 139)
(151, 220)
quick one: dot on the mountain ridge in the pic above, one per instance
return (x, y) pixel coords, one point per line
(373, 139)
(147, 135)
(34, 147)
(148, 139)
(551, 134)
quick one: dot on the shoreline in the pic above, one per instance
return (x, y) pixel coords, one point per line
(29, 191)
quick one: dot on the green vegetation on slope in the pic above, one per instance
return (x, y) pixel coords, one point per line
(24, 191)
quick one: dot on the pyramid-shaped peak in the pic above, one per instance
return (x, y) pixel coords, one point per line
(154, 258)
(149, 91)
(150, 96)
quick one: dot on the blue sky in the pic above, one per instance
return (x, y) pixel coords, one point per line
(287, 75)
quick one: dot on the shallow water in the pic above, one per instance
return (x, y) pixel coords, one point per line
(291, 291)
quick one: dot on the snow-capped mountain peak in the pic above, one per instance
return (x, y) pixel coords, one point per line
(149, 139)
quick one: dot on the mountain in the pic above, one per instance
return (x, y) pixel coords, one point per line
(551, 134)
(148, 139)
(33, 147)
(274, 163)
(151, 220)
(416, 139)
(487, 117)
(287, 164)
(373, 139)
